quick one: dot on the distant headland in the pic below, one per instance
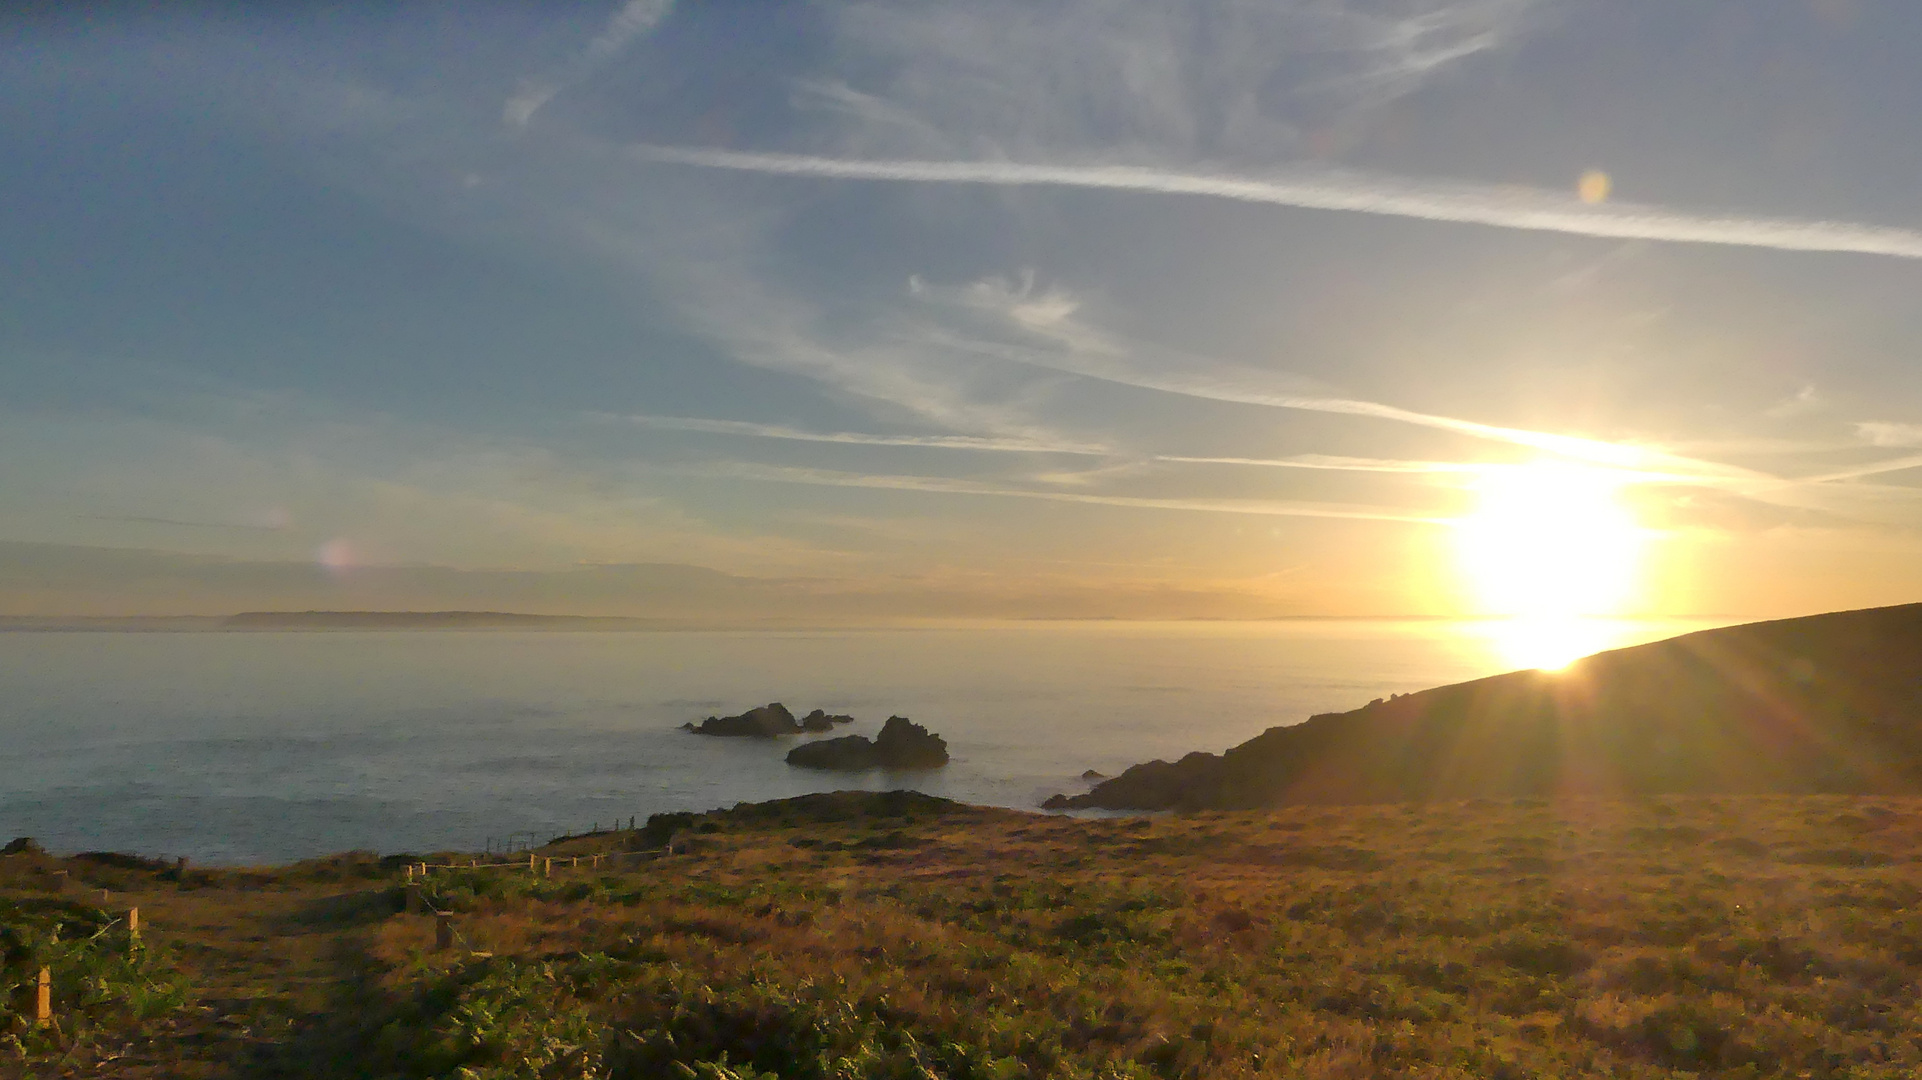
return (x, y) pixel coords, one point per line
(336, 620)
(423, 620)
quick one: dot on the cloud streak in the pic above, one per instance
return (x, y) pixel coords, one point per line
(1340, 190)
(945, 486)
(636, 17)
(1338, 463)
(854, 438)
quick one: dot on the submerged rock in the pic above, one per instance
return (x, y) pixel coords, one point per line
(902, 744)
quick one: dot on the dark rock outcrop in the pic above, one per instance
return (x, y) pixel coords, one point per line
(1822, 704)
(821, 721)
(1092, 774)
(22, 845)
(765, 722)
(902, 744)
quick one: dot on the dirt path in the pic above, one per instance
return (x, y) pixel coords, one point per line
(262, 962)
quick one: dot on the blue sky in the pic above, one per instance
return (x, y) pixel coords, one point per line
(1090, 307)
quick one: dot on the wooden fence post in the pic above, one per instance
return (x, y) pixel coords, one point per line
(410, 873)
(547, 867)
(133, 925)
(443, 932)
(43, 1001)
(530, 862)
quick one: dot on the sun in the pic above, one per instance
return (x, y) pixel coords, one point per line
(1549, 544)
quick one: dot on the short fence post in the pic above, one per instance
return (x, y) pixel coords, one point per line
(133, 925)
(547, 867)
(530, 862)
(443, 932)
(43, 1001)
(410, 873)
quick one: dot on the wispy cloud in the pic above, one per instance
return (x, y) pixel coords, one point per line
(1049, 317)
(1885, 433)
(947, 486)
(1344, 190)
(1332, 462)
(853, 438)
(636, 17)
(1872, 468)
(1337, 463)
(1197, 78)
(181, 523)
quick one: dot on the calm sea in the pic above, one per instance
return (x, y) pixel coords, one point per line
(265, 747)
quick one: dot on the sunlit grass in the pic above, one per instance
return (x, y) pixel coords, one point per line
(1714, 937)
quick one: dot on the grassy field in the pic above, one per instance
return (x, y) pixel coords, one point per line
(877, 936)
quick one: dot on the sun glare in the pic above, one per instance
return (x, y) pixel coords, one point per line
(1549, 545)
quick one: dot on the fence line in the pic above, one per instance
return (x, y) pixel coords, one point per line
(537, 863)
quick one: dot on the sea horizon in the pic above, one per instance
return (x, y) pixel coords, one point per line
(271, 745)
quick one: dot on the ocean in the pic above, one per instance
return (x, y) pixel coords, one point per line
(252, 747)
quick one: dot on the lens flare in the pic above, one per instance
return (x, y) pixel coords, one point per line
(337, 556)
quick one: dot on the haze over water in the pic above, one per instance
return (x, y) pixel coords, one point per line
(252, 747)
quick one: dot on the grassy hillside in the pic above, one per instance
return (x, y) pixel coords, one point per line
(858, 936)
(1828, 703)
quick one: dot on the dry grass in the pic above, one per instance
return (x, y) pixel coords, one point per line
(1733, 937)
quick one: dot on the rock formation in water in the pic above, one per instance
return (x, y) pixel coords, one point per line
(1826, 703)
(822, 721)
(902, 744)
(767, 722)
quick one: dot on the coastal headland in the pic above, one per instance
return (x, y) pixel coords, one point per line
(1826, 703)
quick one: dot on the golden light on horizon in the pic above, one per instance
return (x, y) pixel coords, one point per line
(1549, 545)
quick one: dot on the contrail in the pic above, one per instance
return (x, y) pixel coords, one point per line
(1365, 193)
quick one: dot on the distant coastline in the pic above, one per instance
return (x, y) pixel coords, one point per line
(510, 620)
(334, 620)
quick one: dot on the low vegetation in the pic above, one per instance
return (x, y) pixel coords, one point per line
(894, 936)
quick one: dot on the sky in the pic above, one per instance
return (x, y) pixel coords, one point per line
(970, 309)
